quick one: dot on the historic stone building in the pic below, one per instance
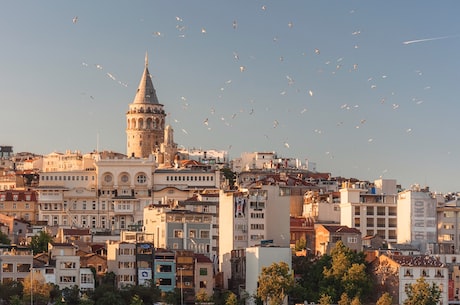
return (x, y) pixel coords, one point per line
(145, 119)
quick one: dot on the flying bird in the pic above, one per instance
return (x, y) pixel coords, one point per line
(75, 19)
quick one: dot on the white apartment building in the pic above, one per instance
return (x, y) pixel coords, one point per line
(372, 209)
(121, 260)
(259, 257)
(16, 264)
(401, 270)
(249, 217)
(417, 223)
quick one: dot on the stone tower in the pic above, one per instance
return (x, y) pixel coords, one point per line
(145, 119)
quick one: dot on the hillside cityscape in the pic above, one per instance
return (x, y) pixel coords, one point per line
(193, 224)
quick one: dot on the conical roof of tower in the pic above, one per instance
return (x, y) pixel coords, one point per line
(146, 93)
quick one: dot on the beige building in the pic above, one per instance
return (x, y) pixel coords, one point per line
(16, 264)
(370, 208)
(145, 119)
(121, 260)
(19, 204)
(327, 236)
(67, 264)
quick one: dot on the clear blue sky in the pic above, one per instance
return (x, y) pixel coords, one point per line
(328, 81)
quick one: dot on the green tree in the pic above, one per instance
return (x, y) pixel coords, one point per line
(421, 293)
(300, 244)
(36, 289)
(344, 299)
(71, 295)
(385, 299)
(275, 282)
(230, 176)
(136, 300)
(39, 242)
(346, 273)
(202, 296)
(325, 300)
(10, 289)
(231, 299)
(4, 239)
(356, 301)
(16, 300)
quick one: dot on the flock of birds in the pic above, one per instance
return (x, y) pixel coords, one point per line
(333, 66)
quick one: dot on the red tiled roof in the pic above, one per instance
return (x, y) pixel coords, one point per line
(419, 260)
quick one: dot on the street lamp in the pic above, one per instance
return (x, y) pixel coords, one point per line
(181, 287)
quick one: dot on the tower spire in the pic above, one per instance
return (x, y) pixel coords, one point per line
(146, 59)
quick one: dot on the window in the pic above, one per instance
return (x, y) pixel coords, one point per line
(86, 279)
(204, 234)
(67, 265)
(352, 239)
(124, 178)
(192, 233)
(23, 267)
(408, 272)
(7, 267)
(178, 233)
(202, 284)
(164, 268)
(141, 178)
(203, 271)
(67, 279)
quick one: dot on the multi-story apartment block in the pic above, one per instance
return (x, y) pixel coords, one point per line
(19, 204)
(248, 218)
(395, 272)
(121, 260)
(165, 269)
(372, 209)
(204, 275)
(131, 258)
(64, 258)
(179, 229)
(16, 264)
(207, 202)
(448, 221)
(185, 275)
(258, 258)
(417, 223)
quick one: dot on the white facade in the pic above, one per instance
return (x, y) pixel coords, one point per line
(259, 257)
(417, 222)
(248, 218)
(372, 209)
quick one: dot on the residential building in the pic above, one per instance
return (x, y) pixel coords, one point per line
(249, 217)
(16, 264)
(121, 260)
(185, 275)
(327, 236)
(165, 269)
(259, 257)
(371, 208)
(417, 224)
(395, 272)
(448, 231)
(19, 204)
(180, 229)
(204, 275)
(64, 258)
